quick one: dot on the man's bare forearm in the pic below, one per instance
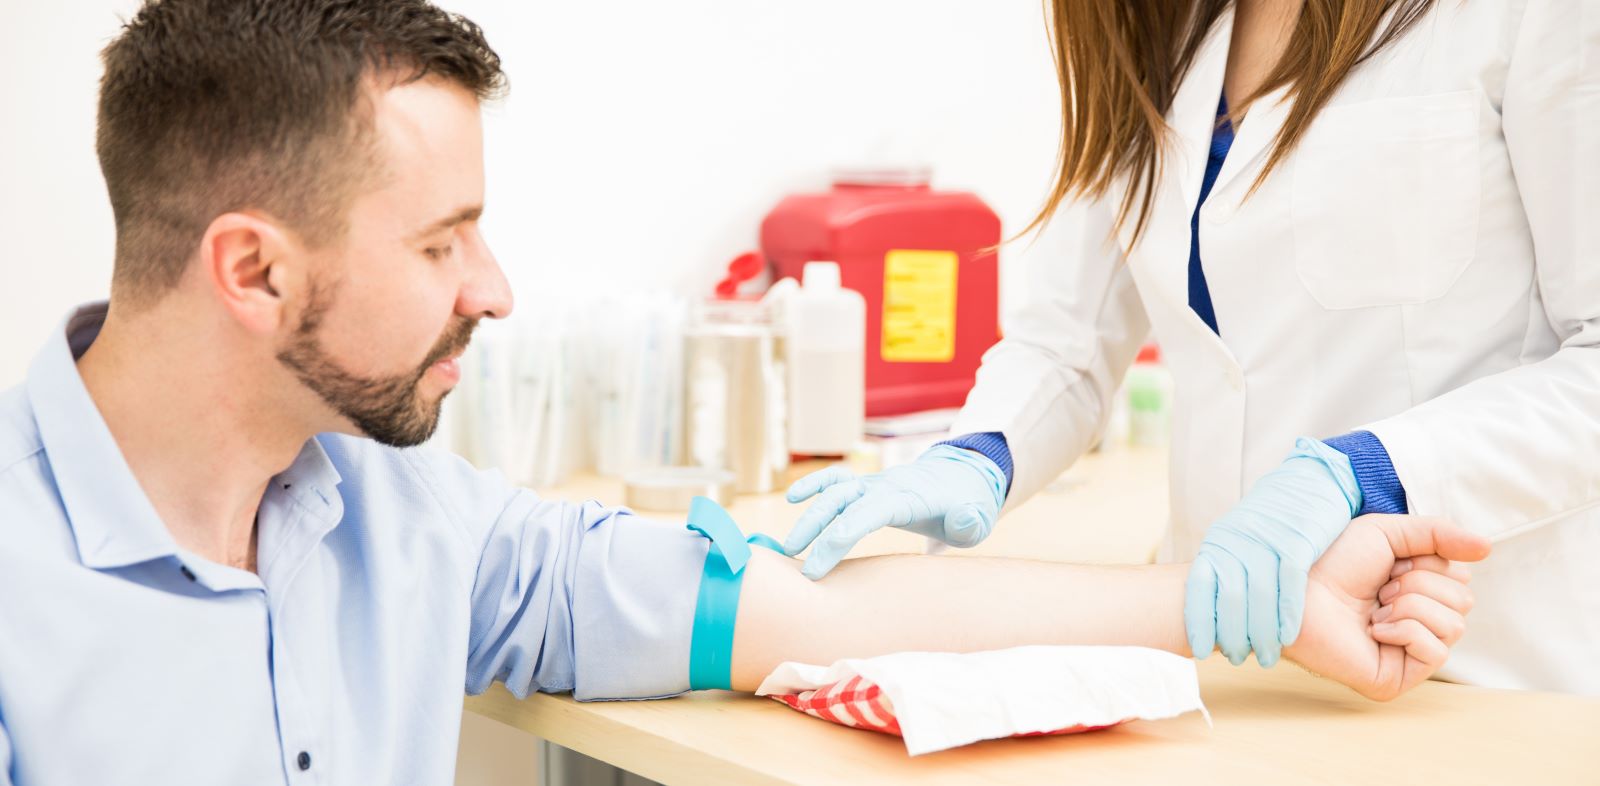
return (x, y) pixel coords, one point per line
(868, 607)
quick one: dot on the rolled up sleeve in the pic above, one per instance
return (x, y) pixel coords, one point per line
(585, 598)
(572, 597)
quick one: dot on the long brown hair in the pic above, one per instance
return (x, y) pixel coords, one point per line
(1119, 63)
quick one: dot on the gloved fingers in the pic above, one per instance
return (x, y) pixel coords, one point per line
(1441, 588)
(860, 520)
(1418, 641)
(1445, 623)
(1233, 633)
(1291, 601)
(1200, 607)
(1261, 607)
(808, 486)
(1433, 563)
(827, 507)
(967, 524)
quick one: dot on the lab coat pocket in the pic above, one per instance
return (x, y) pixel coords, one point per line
(1385, 200)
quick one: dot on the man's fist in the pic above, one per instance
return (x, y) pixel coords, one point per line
(1386, 602)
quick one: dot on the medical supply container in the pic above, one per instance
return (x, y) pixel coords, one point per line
(924, 261)
(826, 326)
(734, 389)
(1148, 386)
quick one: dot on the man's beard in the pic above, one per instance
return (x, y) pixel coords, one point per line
(388, 409)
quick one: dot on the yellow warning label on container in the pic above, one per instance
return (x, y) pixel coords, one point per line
(919, 306)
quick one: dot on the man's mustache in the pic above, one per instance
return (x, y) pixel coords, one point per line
(454, 341)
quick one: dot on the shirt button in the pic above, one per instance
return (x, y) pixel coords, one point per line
(304, 760)
(1219, 214)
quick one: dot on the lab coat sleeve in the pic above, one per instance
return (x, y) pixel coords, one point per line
(1047, 385)
(1514, 451)
(572, 596)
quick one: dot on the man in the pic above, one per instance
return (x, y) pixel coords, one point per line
(222, 561)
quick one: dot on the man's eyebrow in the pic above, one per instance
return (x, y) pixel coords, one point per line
(460, 216)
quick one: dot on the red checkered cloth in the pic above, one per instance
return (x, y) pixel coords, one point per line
(860, 704)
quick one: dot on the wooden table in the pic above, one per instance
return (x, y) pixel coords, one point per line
(1279, 724)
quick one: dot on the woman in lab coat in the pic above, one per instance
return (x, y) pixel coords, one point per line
(1390, 274)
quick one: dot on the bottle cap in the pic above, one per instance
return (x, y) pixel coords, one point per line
(821, 275)
(743, 268)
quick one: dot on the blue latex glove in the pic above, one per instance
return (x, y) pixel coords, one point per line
(1247, 588)
(949, 493)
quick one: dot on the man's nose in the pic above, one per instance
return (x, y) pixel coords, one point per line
(485, 293)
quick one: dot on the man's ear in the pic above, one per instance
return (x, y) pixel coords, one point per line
(248, 260)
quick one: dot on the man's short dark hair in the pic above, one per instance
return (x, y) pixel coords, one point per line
(213, 106)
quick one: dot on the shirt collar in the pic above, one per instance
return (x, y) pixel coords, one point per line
(111, 518)
(312, 480)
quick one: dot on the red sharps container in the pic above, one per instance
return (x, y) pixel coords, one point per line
(925, 263)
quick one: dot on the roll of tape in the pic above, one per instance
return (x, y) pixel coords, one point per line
(673, 488)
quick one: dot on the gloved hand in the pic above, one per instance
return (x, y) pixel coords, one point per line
(949, 493)
(1247, 587)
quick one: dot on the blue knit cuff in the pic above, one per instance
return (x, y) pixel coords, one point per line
(1381, 491)
(992, 444)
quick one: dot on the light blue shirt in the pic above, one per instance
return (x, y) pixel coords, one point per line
(390, 582)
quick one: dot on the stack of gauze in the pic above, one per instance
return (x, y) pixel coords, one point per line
(826, 326)
(939, 700)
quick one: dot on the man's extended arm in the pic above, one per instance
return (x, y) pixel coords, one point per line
(878, 605)
(600, 602)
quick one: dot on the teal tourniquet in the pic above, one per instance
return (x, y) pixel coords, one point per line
(717, 609)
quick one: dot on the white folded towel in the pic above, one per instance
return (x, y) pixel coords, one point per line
(942, 700)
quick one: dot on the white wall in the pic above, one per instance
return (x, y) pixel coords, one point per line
(55, 223)
(639, 147)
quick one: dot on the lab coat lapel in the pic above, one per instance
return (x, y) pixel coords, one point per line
(1251, 144)
(1192, 120)
(1194, 112)
(1163, 251)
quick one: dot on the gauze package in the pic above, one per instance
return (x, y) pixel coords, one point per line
(942, 700)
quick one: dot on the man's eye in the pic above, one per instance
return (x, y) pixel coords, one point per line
(438, 252)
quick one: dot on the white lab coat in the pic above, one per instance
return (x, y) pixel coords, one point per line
(1425, 265)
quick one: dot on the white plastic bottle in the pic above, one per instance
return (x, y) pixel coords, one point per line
(827, 327)
(1148, 387)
